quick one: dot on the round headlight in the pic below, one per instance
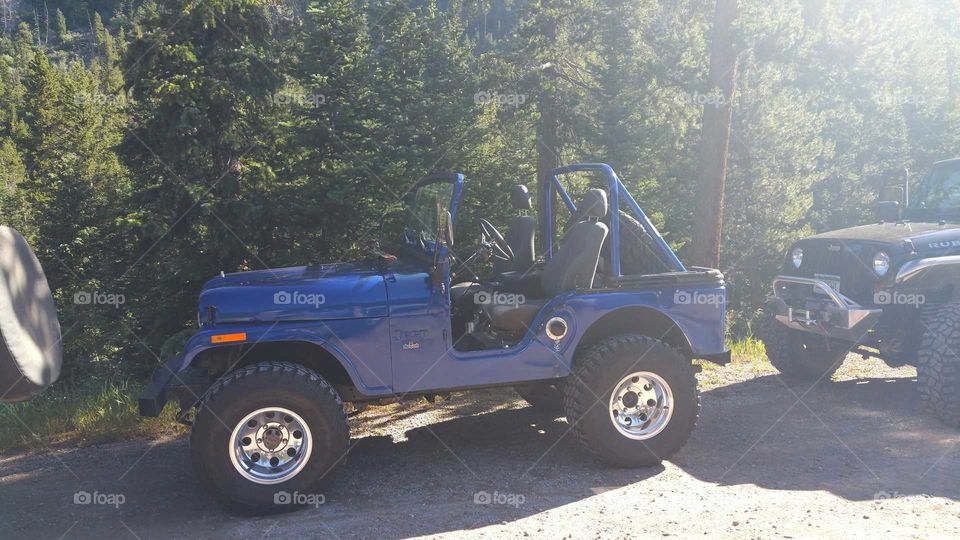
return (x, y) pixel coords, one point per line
(881, 263)
(797, 256)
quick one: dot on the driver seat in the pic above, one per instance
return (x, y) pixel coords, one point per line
(573, 265)
(521, 234)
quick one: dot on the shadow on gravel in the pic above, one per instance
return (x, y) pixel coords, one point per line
(489, 468)
(859, 440)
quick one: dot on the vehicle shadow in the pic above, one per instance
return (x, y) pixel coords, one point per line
(483, 469)
(858, 440)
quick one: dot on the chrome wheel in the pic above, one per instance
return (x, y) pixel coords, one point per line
(270, 445)
(641, 405)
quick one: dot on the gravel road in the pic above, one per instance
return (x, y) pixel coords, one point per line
(854, 457)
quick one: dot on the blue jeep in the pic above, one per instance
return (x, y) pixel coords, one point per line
(601, 328)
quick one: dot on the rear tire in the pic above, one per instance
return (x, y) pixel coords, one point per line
(938, 363)
(299, 395)
(800, 356)
(598, 404)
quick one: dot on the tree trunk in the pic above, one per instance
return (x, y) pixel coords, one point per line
(715, 138)
(548, 148)
(548, 137)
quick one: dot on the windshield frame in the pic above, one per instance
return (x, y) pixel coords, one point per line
(918, 209)
(428, 244)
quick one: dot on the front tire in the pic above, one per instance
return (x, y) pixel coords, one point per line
(632, 400)
(267, 436)
(938, 363)
(800, 356)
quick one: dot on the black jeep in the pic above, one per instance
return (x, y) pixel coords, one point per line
(889, 290)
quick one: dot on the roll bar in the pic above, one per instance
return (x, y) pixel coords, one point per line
(616, 192)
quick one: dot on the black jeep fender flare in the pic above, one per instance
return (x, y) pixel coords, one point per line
(932, 274)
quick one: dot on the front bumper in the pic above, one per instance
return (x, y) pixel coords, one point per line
(154, 395)
(823, 311)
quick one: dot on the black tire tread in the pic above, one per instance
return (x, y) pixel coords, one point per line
(286, 368)
(938, 363)
(639, 254)
(578, 400)
(817, 362)
(322, 393)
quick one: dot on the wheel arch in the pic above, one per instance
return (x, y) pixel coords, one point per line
(934, 275)
(219, 361)
(643, 320)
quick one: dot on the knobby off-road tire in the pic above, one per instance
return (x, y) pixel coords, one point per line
(800, 356)
(639, 254)
(269, 386)
(543, 397)
(938, 363)
(600, 371)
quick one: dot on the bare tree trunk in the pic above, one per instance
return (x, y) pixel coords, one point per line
(548, 138)
(715, 138)
(548, 148)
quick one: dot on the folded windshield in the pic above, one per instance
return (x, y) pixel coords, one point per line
(423, 213)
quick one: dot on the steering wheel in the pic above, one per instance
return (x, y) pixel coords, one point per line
(490, 235)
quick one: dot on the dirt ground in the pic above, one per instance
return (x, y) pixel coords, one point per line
(857, 457)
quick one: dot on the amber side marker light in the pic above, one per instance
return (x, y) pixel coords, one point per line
(227, 338)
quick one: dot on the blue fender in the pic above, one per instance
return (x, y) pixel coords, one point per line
(350, 341)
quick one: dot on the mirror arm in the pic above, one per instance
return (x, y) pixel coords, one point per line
(906, 187)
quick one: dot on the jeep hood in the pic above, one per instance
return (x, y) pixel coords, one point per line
(925, 237)
(300, 293)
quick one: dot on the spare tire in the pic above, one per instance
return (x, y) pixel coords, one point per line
(639, 253)
(30, 350)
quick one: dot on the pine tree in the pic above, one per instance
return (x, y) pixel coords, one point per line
(202, 75)
(63, 34)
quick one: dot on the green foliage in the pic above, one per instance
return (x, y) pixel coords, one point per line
(202, 78)
(146, 146)
(87, 411)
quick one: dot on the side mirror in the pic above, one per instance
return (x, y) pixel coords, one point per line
(896, 186)
(888, 211)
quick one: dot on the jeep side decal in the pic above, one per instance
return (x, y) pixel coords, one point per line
(946, 244)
